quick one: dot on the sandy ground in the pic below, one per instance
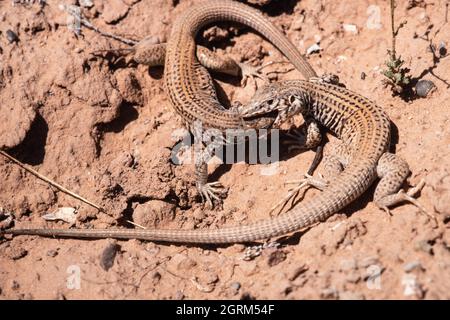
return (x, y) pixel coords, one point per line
(105, 131)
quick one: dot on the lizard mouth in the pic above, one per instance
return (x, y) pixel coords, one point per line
(267, 115)
(262, 121)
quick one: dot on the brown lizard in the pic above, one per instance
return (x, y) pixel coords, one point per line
(189, 85)
(364, 131)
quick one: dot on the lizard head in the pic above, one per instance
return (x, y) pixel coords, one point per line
(277, 101)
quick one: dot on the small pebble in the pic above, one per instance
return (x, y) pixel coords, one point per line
(11, 36)
(179, 295)
(86, 3)
(363, 76)
(108, 256)
(329, 293)
(369, 261)
(442, 49)
(350, 28)
(52, 253)
(315, 48)
(15, 285)
(412, 266)
(424, 246)
(424, 87)
(276, 257)
(235, 286)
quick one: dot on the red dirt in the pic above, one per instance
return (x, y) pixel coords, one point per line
(105, 132)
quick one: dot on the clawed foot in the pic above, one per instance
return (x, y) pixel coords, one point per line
(211, 191)
(403, 196)
(307, 182)
(251, 72)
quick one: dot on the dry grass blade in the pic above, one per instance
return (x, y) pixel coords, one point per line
(51, 182)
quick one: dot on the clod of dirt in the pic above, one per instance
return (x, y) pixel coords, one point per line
(180, 262)
(153, 213)
(179, 295)
(297, 272)
(16, 120)
(15, 252)
(129, 86)
(52, 253)
(15, 285)
(276, 257)
(411, 266)
(114, 10)
(108, 255)
(329, 293)
(441, 194)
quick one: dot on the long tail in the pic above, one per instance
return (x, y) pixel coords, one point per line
(347, 187)
(210, 11)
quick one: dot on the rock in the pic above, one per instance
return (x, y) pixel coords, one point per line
(129, 86)
(114, 10)
(15, 285)
(15, 252)
(424, 87)
(414, 265)
(276, 257)
(52, 253)
(181, 263)
(11, 36)
(297, 272)
(16, 120)
(235, 286)
(350, 28)
(425, 246)
(329, 293)
(369, 261)
(108, 255)
(315, 48)
(153, 213)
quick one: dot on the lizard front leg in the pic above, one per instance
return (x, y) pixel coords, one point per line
(208, 190)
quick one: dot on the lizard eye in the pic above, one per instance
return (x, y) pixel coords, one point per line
(291, 99)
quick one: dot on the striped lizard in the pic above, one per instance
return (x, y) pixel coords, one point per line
(188, 84)
(364, 131)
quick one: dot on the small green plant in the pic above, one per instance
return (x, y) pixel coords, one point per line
(397, 75)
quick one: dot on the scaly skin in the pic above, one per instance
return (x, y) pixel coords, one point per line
(189, 85)
(359, 123)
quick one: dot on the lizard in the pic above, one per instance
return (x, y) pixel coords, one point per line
(189, 85)
(364, 131)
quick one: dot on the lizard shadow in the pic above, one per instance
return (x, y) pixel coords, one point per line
(32, 149)
(127, 114)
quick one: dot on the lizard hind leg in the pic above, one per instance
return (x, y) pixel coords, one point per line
(393, 171)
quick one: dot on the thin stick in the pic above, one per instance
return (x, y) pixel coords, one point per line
(393, 54)
(51, 182)
(87, 24)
